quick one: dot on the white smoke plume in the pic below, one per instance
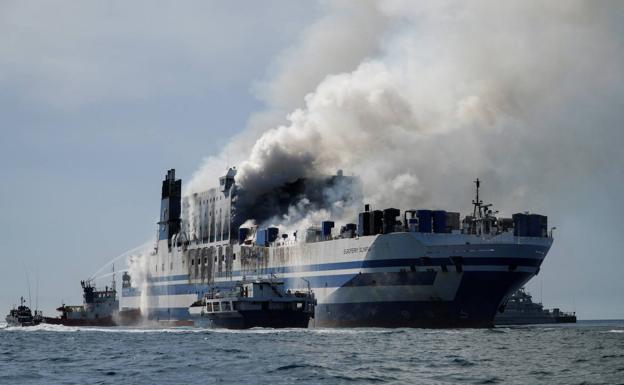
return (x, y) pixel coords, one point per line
(441, 93)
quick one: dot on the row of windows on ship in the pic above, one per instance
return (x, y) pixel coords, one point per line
(211, 230)
(199, 261)
(209, 200)
(213, 199)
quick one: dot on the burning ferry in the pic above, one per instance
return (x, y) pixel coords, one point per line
(416, 268)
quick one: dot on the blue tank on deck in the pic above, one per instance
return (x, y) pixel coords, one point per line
(389, 219)
(261, 237)
(272, 233)
(439, 221)
(538, 225)
(521, 224)
(364, 223)
(424, 221)
(377, 222)
(326, 227)
(243, 233)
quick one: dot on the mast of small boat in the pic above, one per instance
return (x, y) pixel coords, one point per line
(28, 283)
(114, 284)
(37, 292)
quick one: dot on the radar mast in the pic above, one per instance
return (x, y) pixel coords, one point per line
(476, 213)
(482, 215)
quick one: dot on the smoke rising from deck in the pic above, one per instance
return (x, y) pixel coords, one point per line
(511, 92)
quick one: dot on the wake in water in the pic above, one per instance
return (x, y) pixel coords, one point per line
(188, 329)
(66, 329)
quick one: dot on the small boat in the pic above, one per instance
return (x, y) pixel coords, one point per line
(258, 303)
(521, 310)
(99, 308)
(23, 316)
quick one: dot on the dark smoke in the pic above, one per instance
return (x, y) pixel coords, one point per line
(289, 203)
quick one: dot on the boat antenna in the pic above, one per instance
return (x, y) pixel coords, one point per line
(28, 283)
(37, 291)
(114, 284)
(476, 202)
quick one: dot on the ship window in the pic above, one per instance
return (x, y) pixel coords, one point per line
(227, 306)
(162, 267)
(234, 256)
(192, 262)
(216, 306)
(156, 268)
(170, 265)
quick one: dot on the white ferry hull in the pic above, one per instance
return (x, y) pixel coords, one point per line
(403, 279)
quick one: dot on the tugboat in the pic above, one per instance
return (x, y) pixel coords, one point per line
(23, 316)
(521, 310)
(259, 303)
(99, 308)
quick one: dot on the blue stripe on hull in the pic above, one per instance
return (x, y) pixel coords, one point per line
(402, 262)
(365, 279)
(169, 314)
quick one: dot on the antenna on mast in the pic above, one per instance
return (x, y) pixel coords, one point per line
(37, 291)
(28, 283)
(114, 284)
(476, 202)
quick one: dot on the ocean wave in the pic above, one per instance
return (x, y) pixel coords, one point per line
(296, 366)
(324, 356)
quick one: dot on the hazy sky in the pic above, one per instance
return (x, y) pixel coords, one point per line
(98, 99)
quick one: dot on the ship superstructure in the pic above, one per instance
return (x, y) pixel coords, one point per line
(424, 268)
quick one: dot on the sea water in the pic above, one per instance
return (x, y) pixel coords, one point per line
(583, 353)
